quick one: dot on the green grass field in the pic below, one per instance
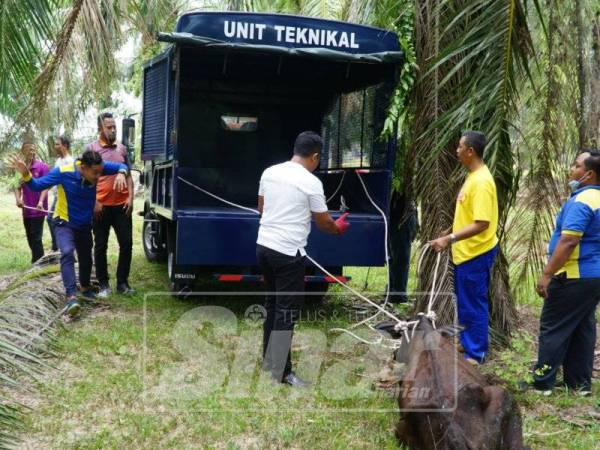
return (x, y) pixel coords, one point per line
(145, 373)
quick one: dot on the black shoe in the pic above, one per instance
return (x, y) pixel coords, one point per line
(397, 299)
(524, 386)
(88, 295)
(124, 288)
(293, 380)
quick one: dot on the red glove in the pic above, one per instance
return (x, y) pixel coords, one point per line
(341, 223)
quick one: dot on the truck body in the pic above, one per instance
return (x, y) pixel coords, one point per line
(226, 99)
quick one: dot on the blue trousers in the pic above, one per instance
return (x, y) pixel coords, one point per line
(69, 240)
(471, 283)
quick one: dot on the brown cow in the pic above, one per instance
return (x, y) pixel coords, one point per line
(447, 404)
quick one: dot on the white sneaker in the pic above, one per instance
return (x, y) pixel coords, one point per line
(104, 292)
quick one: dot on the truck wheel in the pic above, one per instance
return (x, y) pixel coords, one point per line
(151, 239)
(317, 291)
(178, 289)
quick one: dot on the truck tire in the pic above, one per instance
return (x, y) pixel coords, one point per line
(317, 291)
(152, 239)
(179, 289)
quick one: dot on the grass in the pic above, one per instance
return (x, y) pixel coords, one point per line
(147, 373)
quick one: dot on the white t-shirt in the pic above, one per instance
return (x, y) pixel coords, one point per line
(63, 161)
(291, 194)
(60, 162)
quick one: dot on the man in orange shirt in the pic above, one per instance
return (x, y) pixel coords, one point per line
(113, 209)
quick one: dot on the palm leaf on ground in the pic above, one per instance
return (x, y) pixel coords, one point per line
(28, 306)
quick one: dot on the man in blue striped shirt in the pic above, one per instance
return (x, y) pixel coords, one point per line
(570, 284)
(76, 198)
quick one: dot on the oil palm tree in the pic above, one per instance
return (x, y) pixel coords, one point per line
(57, 57)
(473, 57)
(71, 59)
(24, 27)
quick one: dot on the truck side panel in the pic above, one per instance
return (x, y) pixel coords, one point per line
(158, 119)
(216, 238)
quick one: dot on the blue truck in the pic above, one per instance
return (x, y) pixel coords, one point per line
(225, 100)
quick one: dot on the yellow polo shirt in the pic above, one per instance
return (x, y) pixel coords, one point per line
(477, 200)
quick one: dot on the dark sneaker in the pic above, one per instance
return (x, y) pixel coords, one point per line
(73, 307)
(125, 289)
(88, 295)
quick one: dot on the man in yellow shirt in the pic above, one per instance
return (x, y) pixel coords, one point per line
(474, 245)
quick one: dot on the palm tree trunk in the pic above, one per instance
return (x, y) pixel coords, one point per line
(594, 113)
(581, 73)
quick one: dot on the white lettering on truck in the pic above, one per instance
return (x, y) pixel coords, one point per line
(244, 30)
(291, 35)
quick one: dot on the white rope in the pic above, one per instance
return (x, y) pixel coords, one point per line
(338, 187)
(219, 198)
(357, 337)
(392, 344)
(400, 324)
(386, 249)
(358, 294)
(29, 207)
(37, 209)
(434, 291)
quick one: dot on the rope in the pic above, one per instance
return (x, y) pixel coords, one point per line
(358, 294)
(387, 256)
(27, 207)
(235, 205)
(401, 325)
(37, 209)
(338, 187)
(434, 291)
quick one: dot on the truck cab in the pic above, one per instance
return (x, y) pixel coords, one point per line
(226, 100)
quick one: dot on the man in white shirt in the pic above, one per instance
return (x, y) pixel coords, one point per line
(288, 197)
(62, 147)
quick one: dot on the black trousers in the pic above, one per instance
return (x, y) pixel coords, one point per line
(284, 281)
(34, 230)
(568, 333)
(115, 217)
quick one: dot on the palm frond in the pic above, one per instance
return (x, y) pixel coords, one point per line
(85, 45)
(549, 116)
(28, 307)
(25, 27)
